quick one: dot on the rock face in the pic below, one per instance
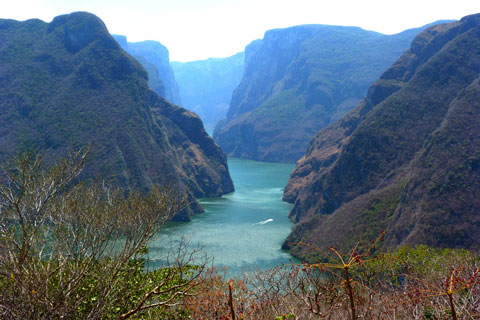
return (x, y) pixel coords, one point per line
(206, 86)
(154, 57)
(68, 84)
(297, 81)
(406, 159)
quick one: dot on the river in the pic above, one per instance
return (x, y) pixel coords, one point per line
(242, 231)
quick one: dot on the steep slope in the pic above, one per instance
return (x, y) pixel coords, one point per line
(297, 81)
(206, 86)
(68, 84)
(407, 159)
(154, 57)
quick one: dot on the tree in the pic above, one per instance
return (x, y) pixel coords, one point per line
(75, 250)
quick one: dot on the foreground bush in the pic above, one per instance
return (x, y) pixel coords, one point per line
(410, 283)
(73, 251)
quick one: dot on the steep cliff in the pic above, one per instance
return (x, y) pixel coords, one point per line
(406, 159)
(297, 81)
(68, 84)
(206, 86)
(154, 57)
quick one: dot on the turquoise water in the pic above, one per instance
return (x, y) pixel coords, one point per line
(244, 230)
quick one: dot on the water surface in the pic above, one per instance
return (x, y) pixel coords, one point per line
(243, 230)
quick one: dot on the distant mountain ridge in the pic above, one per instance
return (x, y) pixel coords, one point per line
(67, 84)
(155, 58)
(298, 80)
(406, 159)
(206, 86)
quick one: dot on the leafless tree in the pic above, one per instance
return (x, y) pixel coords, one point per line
(66, 247)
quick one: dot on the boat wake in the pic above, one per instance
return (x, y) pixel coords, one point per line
(263, 222)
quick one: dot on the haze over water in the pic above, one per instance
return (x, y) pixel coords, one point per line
(243, 230)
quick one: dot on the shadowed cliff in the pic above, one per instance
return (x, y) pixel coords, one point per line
(68, 84)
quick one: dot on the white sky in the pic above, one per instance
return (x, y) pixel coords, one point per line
(199, 29)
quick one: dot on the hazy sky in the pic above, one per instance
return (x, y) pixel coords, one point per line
(198, 29)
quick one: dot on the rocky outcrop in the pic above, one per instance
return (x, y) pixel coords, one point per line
(299, 80)
(154, 57)
(203, 164)
(206, 86)
(405, 160)
(68, 84)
